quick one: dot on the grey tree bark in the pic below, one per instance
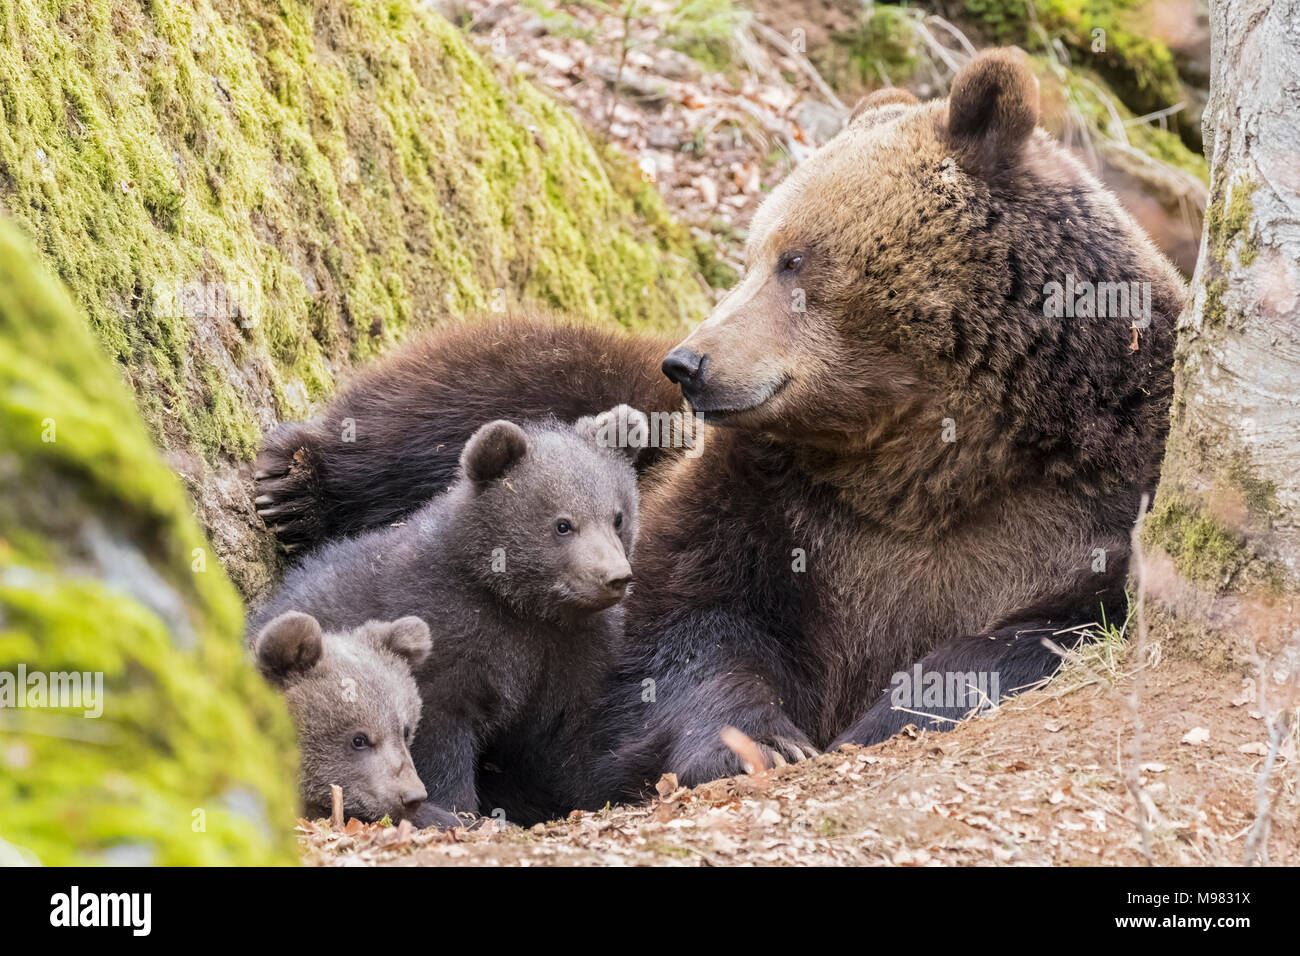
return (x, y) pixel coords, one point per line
(1223, 538)
(1228, 508)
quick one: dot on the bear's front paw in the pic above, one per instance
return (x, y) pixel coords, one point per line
(768, 750)
(431, 815)
(881, 722)
(286, 496)
(784, 750)
(733, 751)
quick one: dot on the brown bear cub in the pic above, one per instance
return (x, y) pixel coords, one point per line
(356, 708)
(518, 568)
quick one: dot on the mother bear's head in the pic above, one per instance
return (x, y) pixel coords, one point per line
(910, 266)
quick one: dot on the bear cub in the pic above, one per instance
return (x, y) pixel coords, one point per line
(518, 568)
(355, 707)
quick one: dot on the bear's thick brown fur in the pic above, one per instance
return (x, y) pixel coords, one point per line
(392, 439)
(919, 458)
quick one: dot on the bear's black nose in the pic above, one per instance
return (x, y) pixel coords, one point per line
(618, 582)
(682, 366)
(411, 799)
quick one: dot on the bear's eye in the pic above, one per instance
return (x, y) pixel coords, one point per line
(360, 742)
(790, 263)
(563, 527)
(618, 520)
(406, 734)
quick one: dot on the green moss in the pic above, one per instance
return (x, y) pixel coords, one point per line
(1225, 221)
(1215, 312)
(1258, 494)
(882, 48)
(102, 571)
(1201, 548)
(703, 30)
(1081, 86)
(345, 170)
(1163, 145)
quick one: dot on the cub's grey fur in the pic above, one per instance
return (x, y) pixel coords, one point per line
(355, 706)
(518, 569)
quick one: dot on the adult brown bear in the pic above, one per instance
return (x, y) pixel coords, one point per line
(936, 415)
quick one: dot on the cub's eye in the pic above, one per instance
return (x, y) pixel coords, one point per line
(563, 527)
(790, 262)
(618, 520)
(406, 734)
(360, 742)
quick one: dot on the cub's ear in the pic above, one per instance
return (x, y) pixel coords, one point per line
(992, 109)
(882, 97)
(622, 428)
(407, 637)
(288, 647)
(493, 450)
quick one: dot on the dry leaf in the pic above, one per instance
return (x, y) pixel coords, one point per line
(745, 748)
(666, 785)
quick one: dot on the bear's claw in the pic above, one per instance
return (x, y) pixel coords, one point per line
(286, 497)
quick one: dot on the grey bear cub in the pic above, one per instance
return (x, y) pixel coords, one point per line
(518, 569)
(355, 707)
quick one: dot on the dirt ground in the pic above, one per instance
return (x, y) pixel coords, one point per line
(1040, 781)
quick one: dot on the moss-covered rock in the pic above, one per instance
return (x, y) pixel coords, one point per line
(103, 572)
(245, 197)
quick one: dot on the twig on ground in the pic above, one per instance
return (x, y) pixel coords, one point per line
(1279, 718)
(336, 806)
(1130, 769)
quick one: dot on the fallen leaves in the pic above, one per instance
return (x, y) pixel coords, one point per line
(715, 142)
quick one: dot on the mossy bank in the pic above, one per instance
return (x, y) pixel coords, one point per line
(131, 728)
(245, 198)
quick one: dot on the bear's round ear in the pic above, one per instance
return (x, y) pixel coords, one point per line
(493, 450)
(992, 109)
(622, 428)
(408, 637)
(882, 97)
(288, 647)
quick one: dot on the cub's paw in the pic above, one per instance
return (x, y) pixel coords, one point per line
(287, 486)
(429, 815)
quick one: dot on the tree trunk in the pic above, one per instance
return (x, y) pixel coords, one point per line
(1227, 512)
(1223, 538)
